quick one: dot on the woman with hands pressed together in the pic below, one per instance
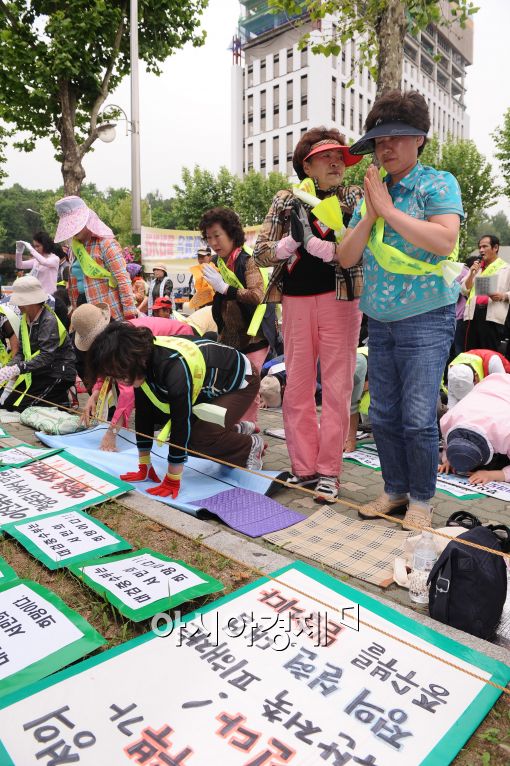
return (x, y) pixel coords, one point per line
(404, 231)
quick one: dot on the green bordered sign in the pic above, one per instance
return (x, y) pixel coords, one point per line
(23, 454)
(145, 582)
(279, 671)
(49, 485)
(38, 635)
(7, 573)
(67, 538)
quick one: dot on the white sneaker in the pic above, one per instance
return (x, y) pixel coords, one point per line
(254, 462)
(327, 489)
(246, 427)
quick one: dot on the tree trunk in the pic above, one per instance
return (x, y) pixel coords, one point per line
(73, 172)
(391, 30)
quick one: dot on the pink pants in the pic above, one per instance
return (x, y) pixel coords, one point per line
(318, 327)
(257, 359)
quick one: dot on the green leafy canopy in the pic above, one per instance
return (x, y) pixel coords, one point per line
(59, 59)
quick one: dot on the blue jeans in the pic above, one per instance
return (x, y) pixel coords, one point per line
(406, 361)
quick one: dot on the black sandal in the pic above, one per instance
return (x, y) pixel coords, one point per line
(504, 539)
(463, 519)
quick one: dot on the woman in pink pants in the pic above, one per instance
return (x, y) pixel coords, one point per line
(321, 318)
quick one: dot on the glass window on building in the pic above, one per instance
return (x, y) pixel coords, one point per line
(263, 154)
(249, 76)
(262, 111)
(262, 70)
(276, 106)
(276, 65)
(342, 105)
(304, 57)
(304, 98)
(250, 115)
(344, 59)
(290, 117)
(289, 152)
(250, 157)
(276, 152)
(290, 59)
(333, 99)
(360, 113)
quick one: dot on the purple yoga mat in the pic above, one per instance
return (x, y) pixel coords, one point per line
(249, 512)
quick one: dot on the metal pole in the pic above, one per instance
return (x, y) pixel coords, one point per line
(136, 218)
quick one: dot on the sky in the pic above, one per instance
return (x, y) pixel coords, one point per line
(185, 113)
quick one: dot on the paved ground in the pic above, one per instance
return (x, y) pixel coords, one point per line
(359, 485)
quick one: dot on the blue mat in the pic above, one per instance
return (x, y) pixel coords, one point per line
(201, 478)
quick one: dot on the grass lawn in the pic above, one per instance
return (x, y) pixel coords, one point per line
(489, 746)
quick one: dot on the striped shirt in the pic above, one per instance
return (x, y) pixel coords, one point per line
(107, 253)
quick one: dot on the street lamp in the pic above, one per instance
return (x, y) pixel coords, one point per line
(106, 130)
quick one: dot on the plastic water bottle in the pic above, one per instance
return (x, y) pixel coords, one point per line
(424, 558)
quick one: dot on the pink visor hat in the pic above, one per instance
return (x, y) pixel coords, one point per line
(74, 215)
(327, 145)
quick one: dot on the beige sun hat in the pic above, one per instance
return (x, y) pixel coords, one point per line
(270, 391)
(87, 321)
(27, 291)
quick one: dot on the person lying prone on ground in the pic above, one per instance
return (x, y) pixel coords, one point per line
(477, 429)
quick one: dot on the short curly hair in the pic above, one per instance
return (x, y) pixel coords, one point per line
(307, 140)
(397, 106)
(227, 219)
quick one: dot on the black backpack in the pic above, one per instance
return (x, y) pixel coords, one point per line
(468, 586)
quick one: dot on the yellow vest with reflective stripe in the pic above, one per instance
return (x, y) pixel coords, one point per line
(89, 266)
(26, 377)
(395, 261)
(230, 278)
(14, 320)
(196, 364)
(473, 361)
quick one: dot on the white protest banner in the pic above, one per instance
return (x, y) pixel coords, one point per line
(274, 673)
(145, 582)
(38, 635)
(497, 489)
(56, 483)
(463, 492)
(7, 573)
(23, 454)
(66, 538)
(369, 458)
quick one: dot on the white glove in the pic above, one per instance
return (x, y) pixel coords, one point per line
(9, 372)
(20, 246)
(214, 279)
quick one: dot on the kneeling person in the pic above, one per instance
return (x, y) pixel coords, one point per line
(44, 365)
(169, 376)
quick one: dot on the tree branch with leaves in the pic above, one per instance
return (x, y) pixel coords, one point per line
(60, 60)
(378, 27)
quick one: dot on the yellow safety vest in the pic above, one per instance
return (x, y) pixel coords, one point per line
(491, 269)
(196, 364)
(14, 320)
(473, 361)
(186, 320)
(328, 211)
(364, 402)
(26, 377)
(230, 278)
(394, 261)
(89, 266)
